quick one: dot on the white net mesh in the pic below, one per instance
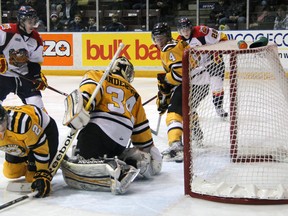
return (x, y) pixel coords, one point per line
(246, 154)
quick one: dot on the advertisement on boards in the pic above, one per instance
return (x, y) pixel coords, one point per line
(58, 49)
(82, 51)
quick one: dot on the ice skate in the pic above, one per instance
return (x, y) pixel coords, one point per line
(174, 152)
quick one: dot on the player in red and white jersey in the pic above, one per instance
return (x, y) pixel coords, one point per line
(21, 51)
(203, 35)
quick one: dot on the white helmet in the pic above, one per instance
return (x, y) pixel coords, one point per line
(123, 67)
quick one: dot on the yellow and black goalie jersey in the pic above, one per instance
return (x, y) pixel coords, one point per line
(171, 56)
(117, 109)
(25, 133)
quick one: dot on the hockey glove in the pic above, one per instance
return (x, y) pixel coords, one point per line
(163, 86)
(41, 183)
(162, 102)
(40, 83)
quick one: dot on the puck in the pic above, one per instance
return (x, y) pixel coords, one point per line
(179, 161)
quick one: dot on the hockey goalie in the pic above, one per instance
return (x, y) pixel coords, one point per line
(116, 117)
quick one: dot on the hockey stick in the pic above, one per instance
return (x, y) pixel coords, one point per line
(49, 87)
(155, 132)
(12, 202)
(55, 164)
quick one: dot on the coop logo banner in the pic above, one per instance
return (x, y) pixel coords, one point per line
(58, 49)
(101, 48)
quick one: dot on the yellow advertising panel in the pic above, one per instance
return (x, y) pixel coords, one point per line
(101, 48)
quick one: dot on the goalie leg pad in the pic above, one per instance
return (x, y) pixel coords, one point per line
(86, 176)
(101, 175)
(75, 115)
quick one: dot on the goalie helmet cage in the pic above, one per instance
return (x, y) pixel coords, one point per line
(243, 160)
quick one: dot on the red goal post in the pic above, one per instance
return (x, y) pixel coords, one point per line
(243, 159)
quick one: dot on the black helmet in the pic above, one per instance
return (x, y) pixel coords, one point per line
(184, 23)
(123, 67)
(161, 29)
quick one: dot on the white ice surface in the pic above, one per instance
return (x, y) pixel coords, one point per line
(163, 195)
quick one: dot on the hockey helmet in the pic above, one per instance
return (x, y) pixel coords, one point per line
(184, 23)
(27, 13)
(3, 119)
(184, 27)
(123, 67)
(161, 34)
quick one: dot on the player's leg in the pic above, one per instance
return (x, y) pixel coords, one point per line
(7, 85)
(94, 143)
(175, 127)
(14, 167)
(217, 72)
(199, 92)
(28, 94)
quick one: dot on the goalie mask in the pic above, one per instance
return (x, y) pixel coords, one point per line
(3, 121)
(184, 27)
(161, 34)
(27, 19)
(123, 67)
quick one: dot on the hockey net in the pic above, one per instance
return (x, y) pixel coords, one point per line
(245, 158)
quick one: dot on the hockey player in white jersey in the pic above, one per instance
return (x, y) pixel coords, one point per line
(203, 35)
(21, 50)
(116, 116)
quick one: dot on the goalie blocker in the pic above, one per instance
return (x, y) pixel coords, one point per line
(75, 115)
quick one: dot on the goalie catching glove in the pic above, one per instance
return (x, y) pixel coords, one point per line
(162, 102)
(163, 86)
(75, 115)
(41, 183)
(148, 160)
(40, 82)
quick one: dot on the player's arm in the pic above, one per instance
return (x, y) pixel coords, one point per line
(88, 85)
(141, 134)
(40, 150)
(149, 157)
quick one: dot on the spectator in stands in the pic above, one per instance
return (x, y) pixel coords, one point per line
(264, 20)
(281, 21)
(68, 10)
(167, 8)
(217, 13)
(235, 14)
(115, 25)
(55, 24)
(92, 26)
(77, 24)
